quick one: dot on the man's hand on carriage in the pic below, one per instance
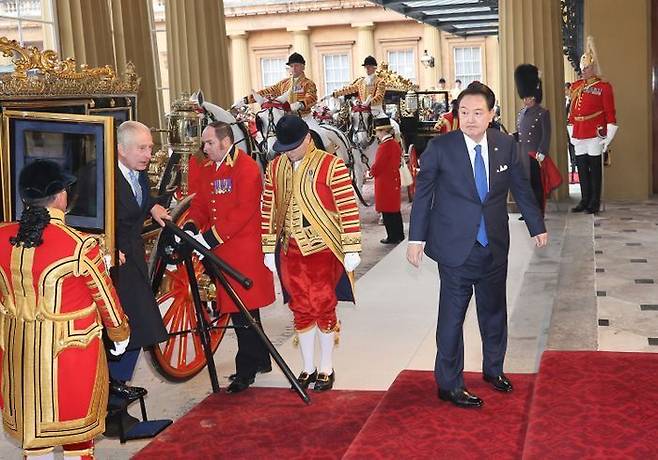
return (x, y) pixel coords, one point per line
(160, 214)
(351, 261)
(120, 347)
(270, 262)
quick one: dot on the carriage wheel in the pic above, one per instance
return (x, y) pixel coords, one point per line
(181, 357)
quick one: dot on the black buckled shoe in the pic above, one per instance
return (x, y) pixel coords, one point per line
(262, 369)
(305, 379)
(324, 382)
(239, 383)
(460, 398)
(120, 389)
(499, 382)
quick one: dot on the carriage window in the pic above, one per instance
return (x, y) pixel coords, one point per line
(403, 63)
(468, 64)
(336, 71)
(272, 70)
(30, 22)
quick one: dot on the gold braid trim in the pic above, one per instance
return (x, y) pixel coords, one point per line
(119, 333)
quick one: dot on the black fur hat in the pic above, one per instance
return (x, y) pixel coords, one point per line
(42, 179)
(528, 83)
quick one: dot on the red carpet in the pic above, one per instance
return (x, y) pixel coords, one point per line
(411, 422)
(271, 423)
(594, 405)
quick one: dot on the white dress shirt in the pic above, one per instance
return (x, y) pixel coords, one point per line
(125, 170)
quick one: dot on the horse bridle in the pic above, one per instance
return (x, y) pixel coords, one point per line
(269, 106)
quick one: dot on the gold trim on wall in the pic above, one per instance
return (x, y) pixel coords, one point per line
(108, 238)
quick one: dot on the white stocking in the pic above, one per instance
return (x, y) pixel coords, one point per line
(307, 347)
(327, 352)
(48, 456)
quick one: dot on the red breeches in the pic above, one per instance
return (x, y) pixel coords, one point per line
(311, 284)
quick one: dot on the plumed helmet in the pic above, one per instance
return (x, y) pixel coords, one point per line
(296, 58)
(528, 83)
(589, 57)
(42, 179)
(290, 132)
(369, 61)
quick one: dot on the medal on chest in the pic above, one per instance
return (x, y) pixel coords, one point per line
(222, 186)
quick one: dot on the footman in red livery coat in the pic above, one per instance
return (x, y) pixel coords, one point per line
(226, 209)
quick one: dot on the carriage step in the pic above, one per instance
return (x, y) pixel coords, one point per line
(126, 427)
(146, 429)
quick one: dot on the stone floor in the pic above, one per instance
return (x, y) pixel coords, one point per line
(593, 287)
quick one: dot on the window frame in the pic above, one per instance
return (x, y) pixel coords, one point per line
(482, 69)
(19, 19)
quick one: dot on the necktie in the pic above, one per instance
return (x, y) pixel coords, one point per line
(137, 188)
(482, 188)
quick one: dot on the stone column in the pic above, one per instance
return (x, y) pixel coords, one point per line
(431, 43)
(530, 32)
(301, 44)
(240, 64)
(197, 50)
(365, 44)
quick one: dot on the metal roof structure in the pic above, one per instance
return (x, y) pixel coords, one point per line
(458, 17)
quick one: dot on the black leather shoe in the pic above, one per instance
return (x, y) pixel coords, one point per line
(324, 382)
(460, 398)
(240, 383)
(499, 382)
(124, 391)
(580, 207)
(305, 379)
(591, 211)
(387, 241)
(259, 370)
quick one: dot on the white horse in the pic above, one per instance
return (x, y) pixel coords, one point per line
(212, 112)
(362, 132)
(333, 140)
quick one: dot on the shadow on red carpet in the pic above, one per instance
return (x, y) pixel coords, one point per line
(267, 423)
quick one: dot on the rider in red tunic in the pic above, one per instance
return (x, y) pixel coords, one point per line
(55, 298)
(310, 216)
(386, 171)
(226, 208)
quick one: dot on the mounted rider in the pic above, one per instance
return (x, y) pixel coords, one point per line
(369, 89)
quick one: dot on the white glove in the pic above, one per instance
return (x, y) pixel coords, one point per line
(239, 103)
(570, 132)
(296, 106)
(351, 261)
(120, 347)
(611, 131)
(540, 157)
(270, 262)
(367, 101)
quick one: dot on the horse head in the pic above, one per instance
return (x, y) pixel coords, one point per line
(209, 113)
(361, 124)
(271, 111)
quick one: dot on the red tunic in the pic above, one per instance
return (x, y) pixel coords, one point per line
(386, 171)
(54, 301)
(228, 203)
(448, 122)
(592, 108)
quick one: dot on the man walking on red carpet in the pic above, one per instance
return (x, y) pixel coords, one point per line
(459, 215)
(310, 217)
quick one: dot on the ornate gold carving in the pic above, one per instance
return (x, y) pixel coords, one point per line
(41, 73)
(394, 81)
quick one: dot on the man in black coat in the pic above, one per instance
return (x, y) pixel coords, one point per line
(460, 213)
(133, 205)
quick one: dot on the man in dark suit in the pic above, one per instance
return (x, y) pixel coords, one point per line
(133, 205)
(460, 215)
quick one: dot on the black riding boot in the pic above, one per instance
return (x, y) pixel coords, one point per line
(595, 181)
(582, 163)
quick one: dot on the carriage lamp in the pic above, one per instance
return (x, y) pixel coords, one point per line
(411, 101)
(427, 60)
(184, 133)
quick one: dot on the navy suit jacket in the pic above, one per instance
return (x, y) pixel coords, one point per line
(447, 209)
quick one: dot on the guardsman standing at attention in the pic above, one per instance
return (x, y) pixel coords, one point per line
(55, 299)
(310, 217)
(592, 127)
(370, 89)
(533, 125)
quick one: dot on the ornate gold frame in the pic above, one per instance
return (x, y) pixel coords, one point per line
(108, 238)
